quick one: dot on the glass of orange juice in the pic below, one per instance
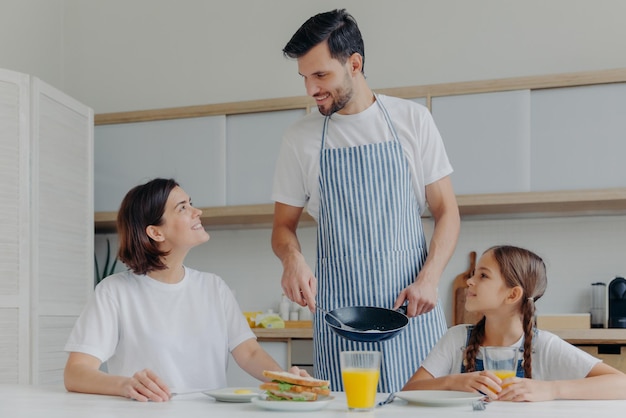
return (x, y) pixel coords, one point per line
(360, 371)
(501, 361)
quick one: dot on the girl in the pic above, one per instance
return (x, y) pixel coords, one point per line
(160, 325)
(504, 288)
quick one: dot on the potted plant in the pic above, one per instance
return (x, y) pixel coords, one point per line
(106, 269)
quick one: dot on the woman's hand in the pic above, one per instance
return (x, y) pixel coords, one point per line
(145, 386)
(299, 371)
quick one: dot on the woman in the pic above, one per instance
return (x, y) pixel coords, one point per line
(504, 288)
(160, 325)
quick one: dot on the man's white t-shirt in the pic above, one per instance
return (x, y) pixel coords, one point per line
(552, 357)
(183, 332)
(296, 178)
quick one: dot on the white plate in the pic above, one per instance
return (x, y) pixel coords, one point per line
(229, 395)
(292, 405)
(439, 397)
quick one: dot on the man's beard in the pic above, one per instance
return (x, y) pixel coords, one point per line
(344, 95)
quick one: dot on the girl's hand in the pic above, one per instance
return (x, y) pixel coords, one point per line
(145, 386)
(521, 390)
(483, 382)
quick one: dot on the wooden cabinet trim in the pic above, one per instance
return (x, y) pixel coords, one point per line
(497, 205)
(409, 92)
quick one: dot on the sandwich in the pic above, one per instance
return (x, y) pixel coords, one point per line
(287, 386)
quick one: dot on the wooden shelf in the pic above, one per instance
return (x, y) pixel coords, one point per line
(592, 336)
(478, 206)
(544, 204)
(282, 333)
(216, 217)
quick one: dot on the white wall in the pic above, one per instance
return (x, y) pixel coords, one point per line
(31, 38)
(119, 55)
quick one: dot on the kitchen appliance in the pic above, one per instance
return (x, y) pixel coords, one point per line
(598, 305)
(617, 303)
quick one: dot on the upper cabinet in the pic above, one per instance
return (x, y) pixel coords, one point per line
(46, 225)
(531, 146)
(578, 137)
(252, 144)
(193, 151)
(487, 137)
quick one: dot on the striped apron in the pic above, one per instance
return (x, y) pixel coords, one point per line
(370, 246)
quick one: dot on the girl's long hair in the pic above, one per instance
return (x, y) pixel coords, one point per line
(519, 267)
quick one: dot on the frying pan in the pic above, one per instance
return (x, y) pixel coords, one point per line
(369, 323)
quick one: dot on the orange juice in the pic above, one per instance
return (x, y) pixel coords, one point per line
(360, 387)
(504, 374)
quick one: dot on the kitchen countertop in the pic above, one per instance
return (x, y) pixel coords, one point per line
(283, 333)
(27, 401)
(590, 336)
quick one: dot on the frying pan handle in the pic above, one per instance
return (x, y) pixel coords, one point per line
(402, 309)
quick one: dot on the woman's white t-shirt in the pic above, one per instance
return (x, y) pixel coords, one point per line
(183, 332)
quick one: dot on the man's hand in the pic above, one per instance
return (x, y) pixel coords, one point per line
(298, 282)
(422, 297)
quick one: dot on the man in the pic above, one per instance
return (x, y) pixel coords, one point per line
(366, 167)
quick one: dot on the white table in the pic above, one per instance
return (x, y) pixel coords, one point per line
(26, 401)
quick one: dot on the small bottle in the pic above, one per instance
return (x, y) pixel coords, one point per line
(305, 314)
(293, 315)
(283, 309)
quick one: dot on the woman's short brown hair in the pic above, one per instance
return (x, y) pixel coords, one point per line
(142, 206)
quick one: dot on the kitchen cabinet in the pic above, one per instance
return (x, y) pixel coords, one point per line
(487, 137)
(527, 121)
(130, 154)
(46, 225)
(302, 354)
(236, 155)
(579, 137)
(608, 344)
(253, 141)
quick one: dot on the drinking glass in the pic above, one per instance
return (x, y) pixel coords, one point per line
(501, 361)
(360, 371)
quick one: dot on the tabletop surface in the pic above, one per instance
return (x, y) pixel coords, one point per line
(27, 401)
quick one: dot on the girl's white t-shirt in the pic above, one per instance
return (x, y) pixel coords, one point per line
(183, 332)
(552, 357)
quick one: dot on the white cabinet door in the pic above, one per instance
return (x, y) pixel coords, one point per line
(579, 137)
(252, 143)
(192, 151)
(237, 377)
(487, 138)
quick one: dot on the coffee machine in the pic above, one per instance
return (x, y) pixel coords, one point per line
(617, 303)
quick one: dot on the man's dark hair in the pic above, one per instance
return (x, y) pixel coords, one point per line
(337, 27)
